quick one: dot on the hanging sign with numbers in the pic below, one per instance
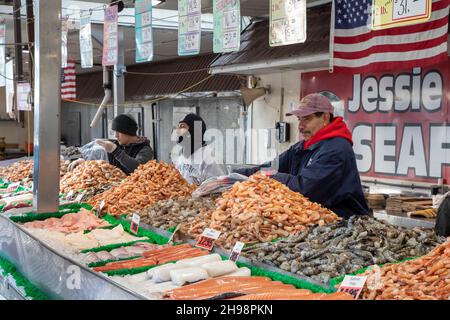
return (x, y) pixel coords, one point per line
(207, 239)
(143, 30)
(227, 25)
(2, 54)
(189, 26)
(64, 40)
(353, 285)
(395, 13)
(86, 50)
(111, 36)
(287, 22)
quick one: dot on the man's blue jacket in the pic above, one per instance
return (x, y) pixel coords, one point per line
(326, 173)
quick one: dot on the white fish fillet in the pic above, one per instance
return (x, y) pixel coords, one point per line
(198, 261)
(241, 272)
(220, 268)
(181, 276)
(162, 273)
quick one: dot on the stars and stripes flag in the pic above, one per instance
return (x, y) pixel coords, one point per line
(69, 82)
(356, 48)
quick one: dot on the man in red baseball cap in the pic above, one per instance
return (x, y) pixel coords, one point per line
(322, 166)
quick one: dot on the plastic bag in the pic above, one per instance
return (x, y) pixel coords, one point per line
(218, 184)
(92, 151)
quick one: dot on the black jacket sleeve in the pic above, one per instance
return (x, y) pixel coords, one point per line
(130, 163)
(281, 164)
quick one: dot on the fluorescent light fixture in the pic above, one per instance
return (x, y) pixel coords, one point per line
(157, 2)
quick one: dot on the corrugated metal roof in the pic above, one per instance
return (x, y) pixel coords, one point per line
(255, 41)
(90, 85)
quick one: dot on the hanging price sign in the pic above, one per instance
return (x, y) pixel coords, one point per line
(135, 220)
(236, 251)
(207, 239)
(394, 13)
(353, 285)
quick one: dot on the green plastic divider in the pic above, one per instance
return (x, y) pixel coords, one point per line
(114, 246)
(63, 210)
(335, 281)
(31, 290)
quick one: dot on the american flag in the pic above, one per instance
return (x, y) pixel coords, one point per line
(358, 49)
(69, 82)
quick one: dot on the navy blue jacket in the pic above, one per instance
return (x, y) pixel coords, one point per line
(326, 173)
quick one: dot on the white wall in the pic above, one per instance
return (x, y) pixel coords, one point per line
(267, 110)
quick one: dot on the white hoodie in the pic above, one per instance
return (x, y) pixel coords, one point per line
(201, 165)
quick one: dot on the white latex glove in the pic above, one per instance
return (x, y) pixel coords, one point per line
(75, 163)
(107, 145)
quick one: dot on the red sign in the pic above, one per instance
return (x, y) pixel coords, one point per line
(399, 120)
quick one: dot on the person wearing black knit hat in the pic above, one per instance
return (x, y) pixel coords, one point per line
(195, 161)
(129, 150)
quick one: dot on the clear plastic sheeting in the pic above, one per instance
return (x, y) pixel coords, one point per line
(57, 276)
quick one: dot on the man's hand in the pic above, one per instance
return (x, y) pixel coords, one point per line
(107, 145)
(75, 163)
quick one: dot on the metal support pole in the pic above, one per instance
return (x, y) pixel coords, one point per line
(47, 105)
(119, 79)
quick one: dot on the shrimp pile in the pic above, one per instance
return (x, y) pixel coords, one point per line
(91, 176)
(22, 171)
(261, 210)
(425, 278)
(149, 183)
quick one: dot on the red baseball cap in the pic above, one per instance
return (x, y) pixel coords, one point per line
(312, 103)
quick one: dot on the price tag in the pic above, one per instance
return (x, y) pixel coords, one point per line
(236, 251)
(173, 233)
(100, 208)
(135, 219)
(13, 186)
(79, 197)
(69, 195)
(353, 285)
(207, 239)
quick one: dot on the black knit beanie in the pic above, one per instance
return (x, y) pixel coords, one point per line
(125, 124)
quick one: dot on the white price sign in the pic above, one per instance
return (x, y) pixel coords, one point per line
(100, 208)
(13, 186)
(79, 197)
(353, 285)
(236, 251)
(135, 220)
(69, 195)
(207, 239)
(409, 8)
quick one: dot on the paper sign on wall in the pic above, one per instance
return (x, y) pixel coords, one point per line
(395, 13)
(189, 26)
(23, 96)
(227, 25)
(143, 30)
(111, 36)
(287, 22)
(87, 60)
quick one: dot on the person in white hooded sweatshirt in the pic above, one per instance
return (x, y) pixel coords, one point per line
(195, 160)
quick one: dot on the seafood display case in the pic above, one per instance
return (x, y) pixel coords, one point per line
(56, 275)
